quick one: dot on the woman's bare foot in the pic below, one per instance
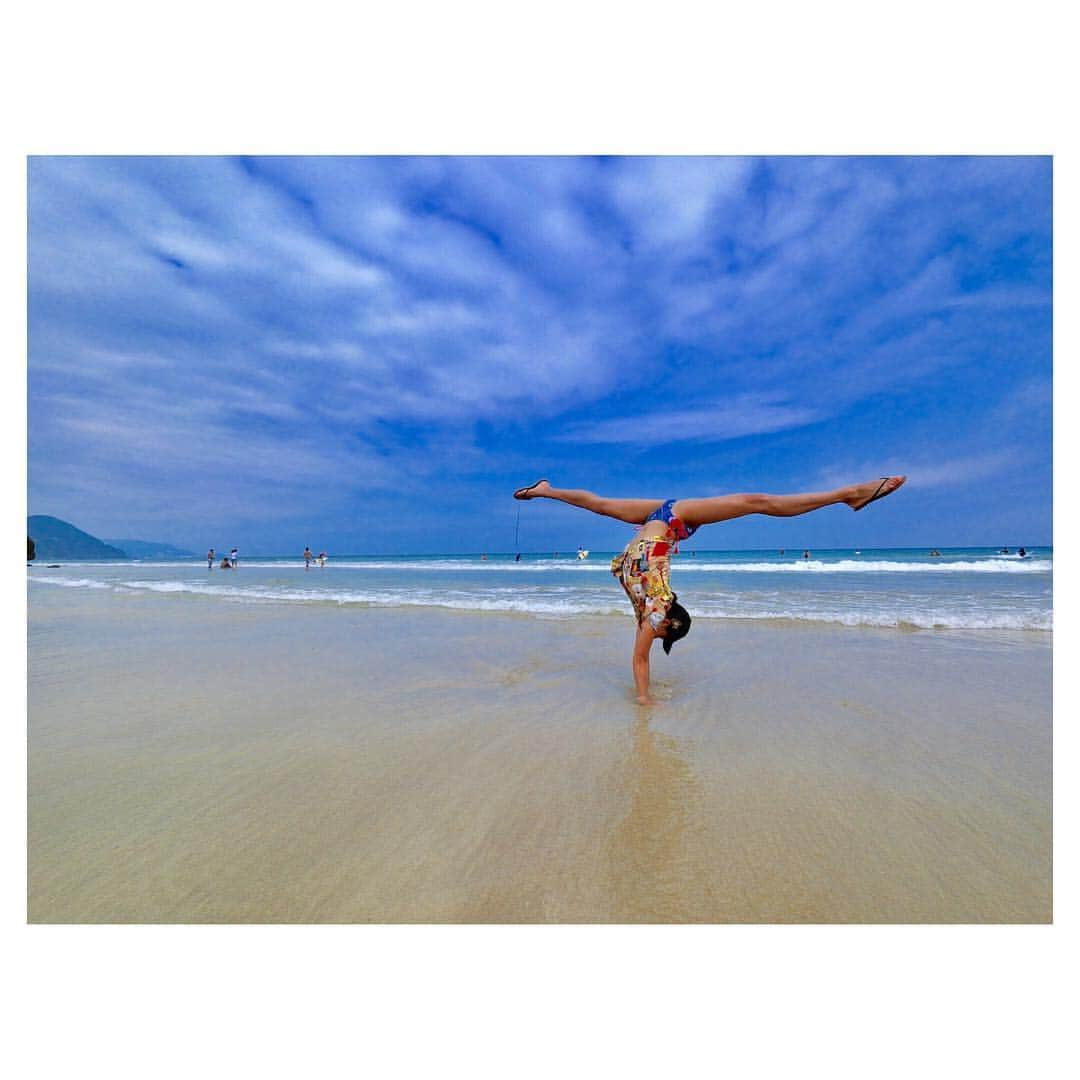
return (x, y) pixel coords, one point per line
(864, 494)
(533, 490)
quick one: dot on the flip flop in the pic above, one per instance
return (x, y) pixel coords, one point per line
(523, 493)
(879, 494)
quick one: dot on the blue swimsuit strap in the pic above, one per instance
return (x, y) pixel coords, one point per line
(663, 512)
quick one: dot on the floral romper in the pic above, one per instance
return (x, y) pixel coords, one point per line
(644, 567)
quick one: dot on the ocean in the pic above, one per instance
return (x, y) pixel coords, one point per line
(454, 739)
(960, 589)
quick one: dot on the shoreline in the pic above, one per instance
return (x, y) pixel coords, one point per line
(615, 608)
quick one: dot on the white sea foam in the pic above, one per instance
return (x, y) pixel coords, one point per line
(871, 610)
(799, 566)
(71, 583)
(853, 566)
(922, 620)
(990, 565)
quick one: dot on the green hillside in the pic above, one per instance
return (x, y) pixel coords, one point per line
(56, 539)
(150, 549)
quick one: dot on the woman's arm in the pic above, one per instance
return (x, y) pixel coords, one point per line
(642, 645)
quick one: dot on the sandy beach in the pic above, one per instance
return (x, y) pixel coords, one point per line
(195, 761)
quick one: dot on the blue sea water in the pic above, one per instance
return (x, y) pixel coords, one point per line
(963, 588)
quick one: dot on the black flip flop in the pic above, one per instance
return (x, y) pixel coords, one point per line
(521, 493)
(879, 494)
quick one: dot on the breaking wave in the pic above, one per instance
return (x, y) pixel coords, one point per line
(867, 610)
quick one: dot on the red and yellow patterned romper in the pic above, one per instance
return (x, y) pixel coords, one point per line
(644, 568)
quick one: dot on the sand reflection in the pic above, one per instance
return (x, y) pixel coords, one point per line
(654, 852)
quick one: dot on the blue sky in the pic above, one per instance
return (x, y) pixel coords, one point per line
(370, 354)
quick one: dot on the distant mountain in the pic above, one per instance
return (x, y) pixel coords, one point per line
(56, 539)
(149, 549)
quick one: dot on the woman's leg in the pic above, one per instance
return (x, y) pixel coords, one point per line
(634, 511)
(697, 512)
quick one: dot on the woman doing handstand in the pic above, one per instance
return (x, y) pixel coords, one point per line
(643, 567)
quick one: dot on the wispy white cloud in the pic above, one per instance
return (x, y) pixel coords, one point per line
(299, 319)
(668, 201)
(926, 472)
(716, 421)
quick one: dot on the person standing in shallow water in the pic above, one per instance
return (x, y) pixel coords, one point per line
(643, 566)
(307, 558)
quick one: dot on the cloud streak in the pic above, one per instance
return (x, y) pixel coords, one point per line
(327, 326)
(718, 421)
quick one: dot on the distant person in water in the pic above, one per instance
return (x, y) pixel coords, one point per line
(1005, 551)
(307, 558)
(643, 567)
(225, 564)
(1022, 553)
(234, 557)
(322, 558)
(806, 554)
(210, 559)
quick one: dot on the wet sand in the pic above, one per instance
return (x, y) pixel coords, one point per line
(192, 760)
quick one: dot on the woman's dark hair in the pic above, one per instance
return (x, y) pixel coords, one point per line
(678, 624)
